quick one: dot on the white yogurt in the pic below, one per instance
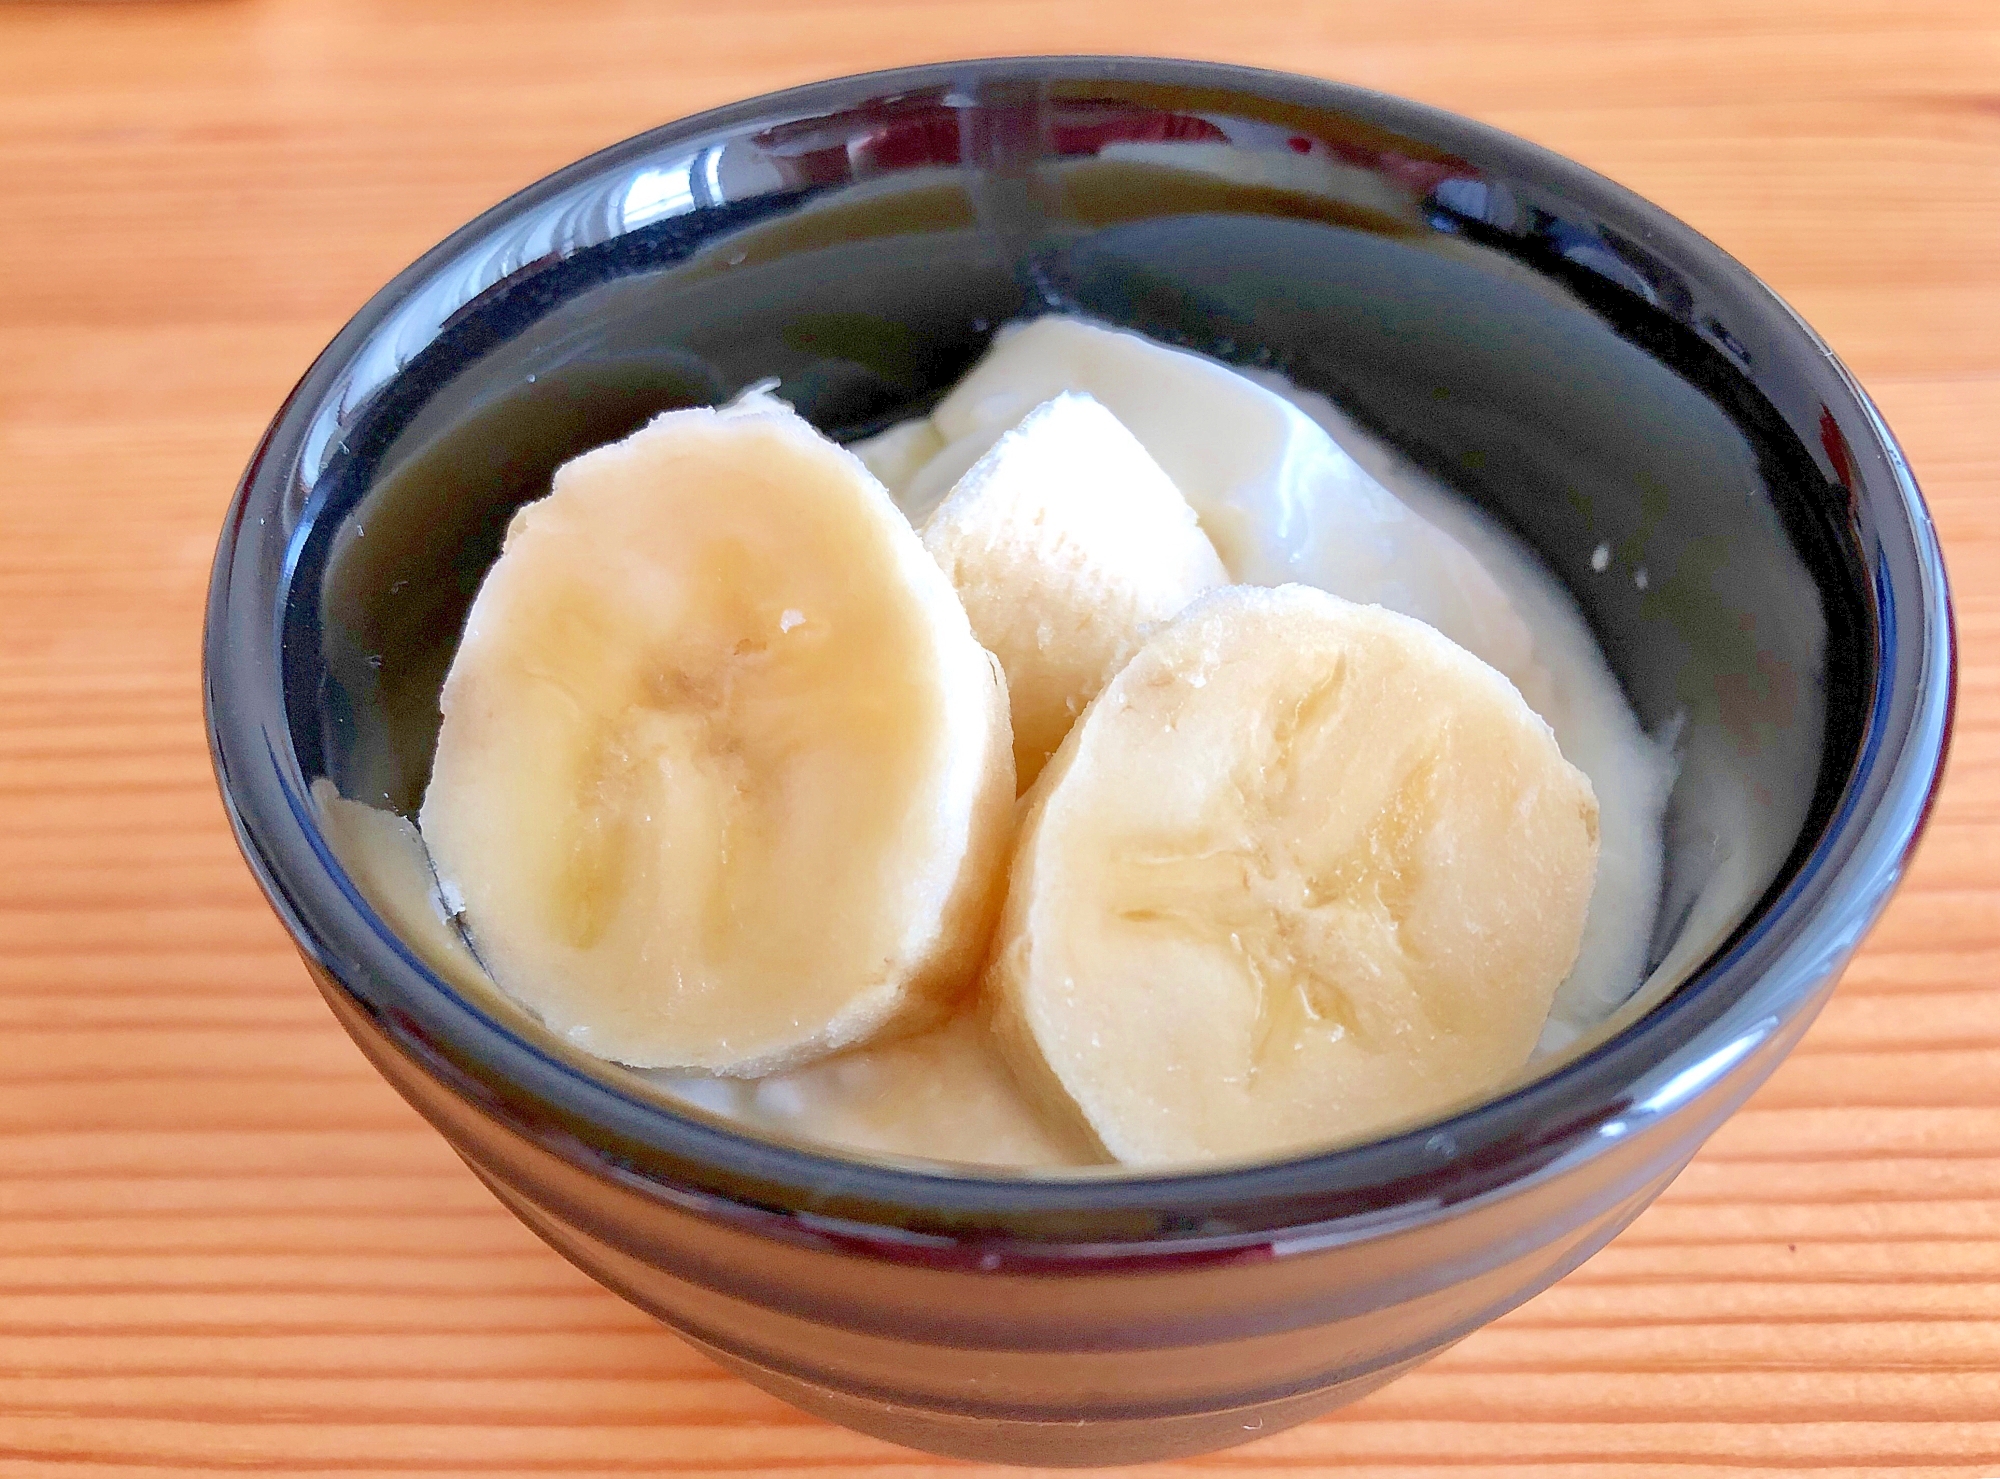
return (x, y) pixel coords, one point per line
(1289, 490)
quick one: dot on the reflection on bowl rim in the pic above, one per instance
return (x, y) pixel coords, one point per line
(1751, 991)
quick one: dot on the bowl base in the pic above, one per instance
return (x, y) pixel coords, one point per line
(1079, 1443)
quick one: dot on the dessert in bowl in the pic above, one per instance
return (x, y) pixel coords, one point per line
(1578, 384)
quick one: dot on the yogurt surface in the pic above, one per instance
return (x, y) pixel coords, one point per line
(1289, 490)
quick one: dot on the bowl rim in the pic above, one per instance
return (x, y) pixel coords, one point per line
(1776, 970)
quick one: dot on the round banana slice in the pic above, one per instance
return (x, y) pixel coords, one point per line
(1305, 871)
(724, 780)
(1067, 544)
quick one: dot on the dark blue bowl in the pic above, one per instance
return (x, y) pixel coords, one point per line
(1602, 379)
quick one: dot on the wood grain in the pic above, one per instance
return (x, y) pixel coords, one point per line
(225, 1245)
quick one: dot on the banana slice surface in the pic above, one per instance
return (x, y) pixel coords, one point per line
(1304, 872)
(724, 781)
(1067, 543)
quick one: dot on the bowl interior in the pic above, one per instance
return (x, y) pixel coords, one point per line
(1606, 405)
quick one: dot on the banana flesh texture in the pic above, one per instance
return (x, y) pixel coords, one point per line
(1305, 871)
(724, 781)
(1067, 544)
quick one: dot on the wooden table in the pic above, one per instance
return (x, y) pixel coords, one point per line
(225, 1244)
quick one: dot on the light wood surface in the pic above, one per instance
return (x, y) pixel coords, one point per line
(226, 1245)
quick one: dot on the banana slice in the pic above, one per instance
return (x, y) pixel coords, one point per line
(944, 1095)
(724, 780)
(1282, 500)
(1067, 543)
(1305, 871)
